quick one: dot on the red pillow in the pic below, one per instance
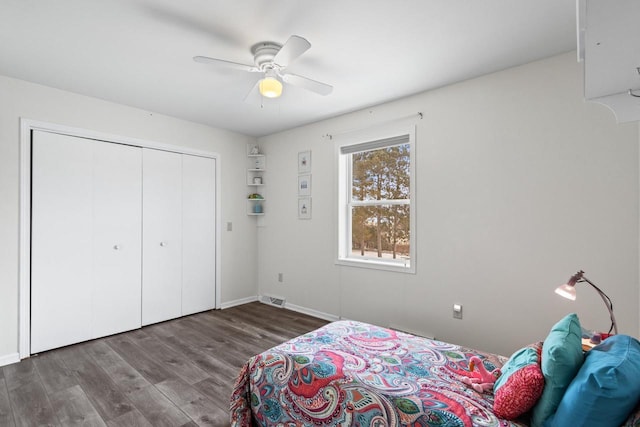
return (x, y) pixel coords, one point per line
(521, 384)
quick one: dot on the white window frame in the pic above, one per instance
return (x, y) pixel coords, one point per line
(344, 179)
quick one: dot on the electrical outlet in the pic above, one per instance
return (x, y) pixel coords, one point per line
(229, 226)
(457, 311)
(280, 277)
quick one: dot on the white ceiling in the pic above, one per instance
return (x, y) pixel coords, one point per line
(139, 52)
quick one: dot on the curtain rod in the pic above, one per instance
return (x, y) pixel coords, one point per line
(331, 135)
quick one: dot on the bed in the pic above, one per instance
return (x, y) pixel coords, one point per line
(352, 373)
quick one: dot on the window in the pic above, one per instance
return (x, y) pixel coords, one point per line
(376, 218)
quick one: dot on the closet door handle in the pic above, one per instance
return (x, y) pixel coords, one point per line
(163, 244)
(116, 247)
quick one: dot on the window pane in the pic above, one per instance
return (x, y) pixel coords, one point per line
(381, 174)
(380, 232)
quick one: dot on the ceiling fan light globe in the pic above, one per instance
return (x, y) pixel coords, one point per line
(270, 87)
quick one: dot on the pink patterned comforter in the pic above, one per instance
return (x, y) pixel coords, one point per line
(354, 374)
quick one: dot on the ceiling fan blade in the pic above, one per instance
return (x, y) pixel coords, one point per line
(251, 96)
(306, 83)
(223, 63)
(293, 48)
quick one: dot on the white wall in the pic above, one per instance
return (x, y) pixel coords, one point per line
(22, 99)
(519, 184)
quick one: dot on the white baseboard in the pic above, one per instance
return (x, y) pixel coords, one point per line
(8, 359)
(311, 312)
(240, 301)
(288, 306)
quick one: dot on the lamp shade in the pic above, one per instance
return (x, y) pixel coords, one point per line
(270, 87)
(567, 291)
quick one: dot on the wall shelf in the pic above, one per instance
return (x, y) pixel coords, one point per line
(256, 167)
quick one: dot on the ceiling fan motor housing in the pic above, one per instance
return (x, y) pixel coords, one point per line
(263, 54)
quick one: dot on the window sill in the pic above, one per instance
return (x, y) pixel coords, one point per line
(376, 265)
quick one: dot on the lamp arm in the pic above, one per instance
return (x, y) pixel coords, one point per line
(607, 302)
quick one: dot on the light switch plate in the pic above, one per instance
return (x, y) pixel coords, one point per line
(457, 311)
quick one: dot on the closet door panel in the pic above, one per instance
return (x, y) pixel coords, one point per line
(117, 242)
(161, 236)
(199, 234)
(61, 233)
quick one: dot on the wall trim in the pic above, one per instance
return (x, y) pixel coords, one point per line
(312, 312)
(287, 306)
(24, 253)
(240, 301)
(9, 359)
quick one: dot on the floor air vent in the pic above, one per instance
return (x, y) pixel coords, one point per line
(274, 301)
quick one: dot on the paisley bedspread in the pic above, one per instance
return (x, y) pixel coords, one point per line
(353, 374)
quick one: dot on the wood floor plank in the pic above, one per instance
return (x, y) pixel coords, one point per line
(73, 408)
(233, 349)
(224, 348)
(197, 406)
(217, 327)
(168, 357)
(202, 357)
(103, 393)
(19, 374)
(157, 408)
(6, 415)
(125, 377)
(130, 419)
(53, 372)
(218, 391)
(31, 406)
(151, 370)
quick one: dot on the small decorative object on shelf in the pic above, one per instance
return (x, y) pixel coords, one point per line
(252, 149)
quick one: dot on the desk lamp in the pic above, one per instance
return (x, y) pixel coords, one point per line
(568, 290)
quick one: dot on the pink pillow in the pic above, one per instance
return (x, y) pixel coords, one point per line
(521, 383)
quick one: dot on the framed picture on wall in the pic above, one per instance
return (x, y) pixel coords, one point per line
(304, 162)
(304, 208)
(304, 185)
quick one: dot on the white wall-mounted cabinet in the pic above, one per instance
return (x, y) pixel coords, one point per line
(608, 34)
(122, 236)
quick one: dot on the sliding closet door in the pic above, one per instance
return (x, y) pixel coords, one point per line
(61, 240)
(198, 234)
(162, 236)
(117, 240)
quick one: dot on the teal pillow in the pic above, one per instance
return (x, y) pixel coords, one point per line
(561, 360)
(606, 388)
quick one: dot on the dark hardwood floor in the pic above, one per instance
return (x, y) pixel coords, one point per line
(175, 373)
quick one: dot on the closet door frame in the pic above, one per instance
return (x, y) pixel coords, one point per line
(24, 272)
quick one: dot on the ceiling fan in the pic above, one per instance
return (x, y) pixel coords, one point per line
(271, 60)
